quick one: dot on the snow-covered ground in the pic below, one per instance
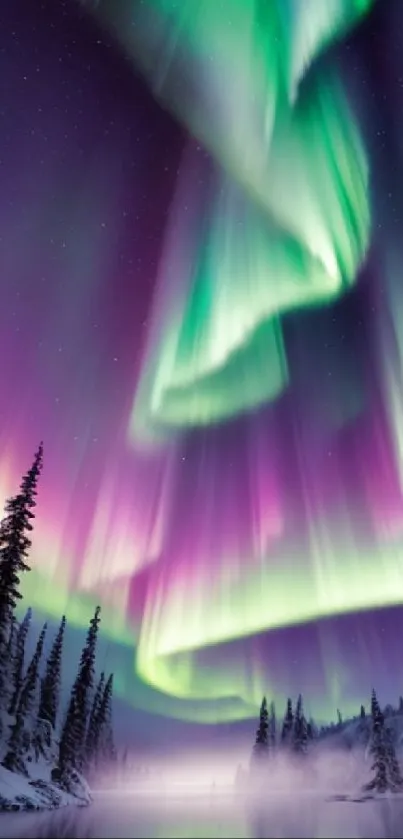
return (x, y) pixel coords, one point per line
(35, 793)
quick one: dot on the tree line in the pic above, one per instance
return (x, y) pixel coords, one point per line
(297, 734)
(33, 722)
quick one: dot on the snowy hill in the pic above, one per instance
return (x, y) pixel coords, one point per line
(20, 793)
(33, 788)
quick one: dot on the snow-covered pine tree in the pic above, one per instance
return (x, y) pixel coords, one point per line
(21, 638)
(288, 724)
(261, 746)
(379, 782)
(105, 749)
(72, 741)
(24, 717)
(394, 774)
(300, 732)
(272, 727)
(50, 684)
(92, 738)
(14, 544)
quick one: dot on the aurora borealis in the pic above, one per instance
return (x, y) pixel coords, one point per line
(201, 314)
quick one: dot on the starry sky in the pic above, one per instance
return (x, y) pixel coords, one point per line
(215, 366)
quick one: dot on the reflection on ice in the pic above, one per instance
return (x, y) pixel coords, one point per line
(194, 797)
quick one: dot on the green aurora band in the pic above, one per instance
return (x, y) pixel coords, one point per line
(216, 345)
(286, 225)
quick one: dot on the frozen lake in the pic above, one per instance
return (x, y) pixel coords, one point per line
(213, 814)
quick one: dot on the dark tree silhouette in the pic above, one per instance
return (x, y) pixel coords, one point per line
(272, 727)
(50, 684)
(14, 544)
(72, 741)
(25, 708)
(379, 782)
(362, 713)
(261, 747)
(21, 638)
(92, 738)
(288, 724)
(300, 731)
(104, 746)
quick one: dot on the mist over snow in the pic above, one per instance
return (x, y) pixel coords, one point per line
(199, 795)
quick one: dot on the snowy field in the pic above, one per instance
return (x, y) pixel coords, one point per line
(217, 813)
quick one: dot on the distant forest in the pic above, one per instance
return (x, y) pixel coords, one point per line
(297, 736)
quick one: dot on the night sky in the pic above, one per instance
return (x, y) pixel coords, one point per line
(242, 522)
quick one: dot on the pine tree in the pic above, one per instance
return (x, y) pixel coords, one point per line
(261, 747)
(50, 684)
(24, 714)
(379, 782)
(288, 724)
(400, 709)
(362, 713)
(272, 727)
(93, 725)
(104, 745)
(339, 718)
(21, 638)
(14, 544)
(72, 741)
(300, 733)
